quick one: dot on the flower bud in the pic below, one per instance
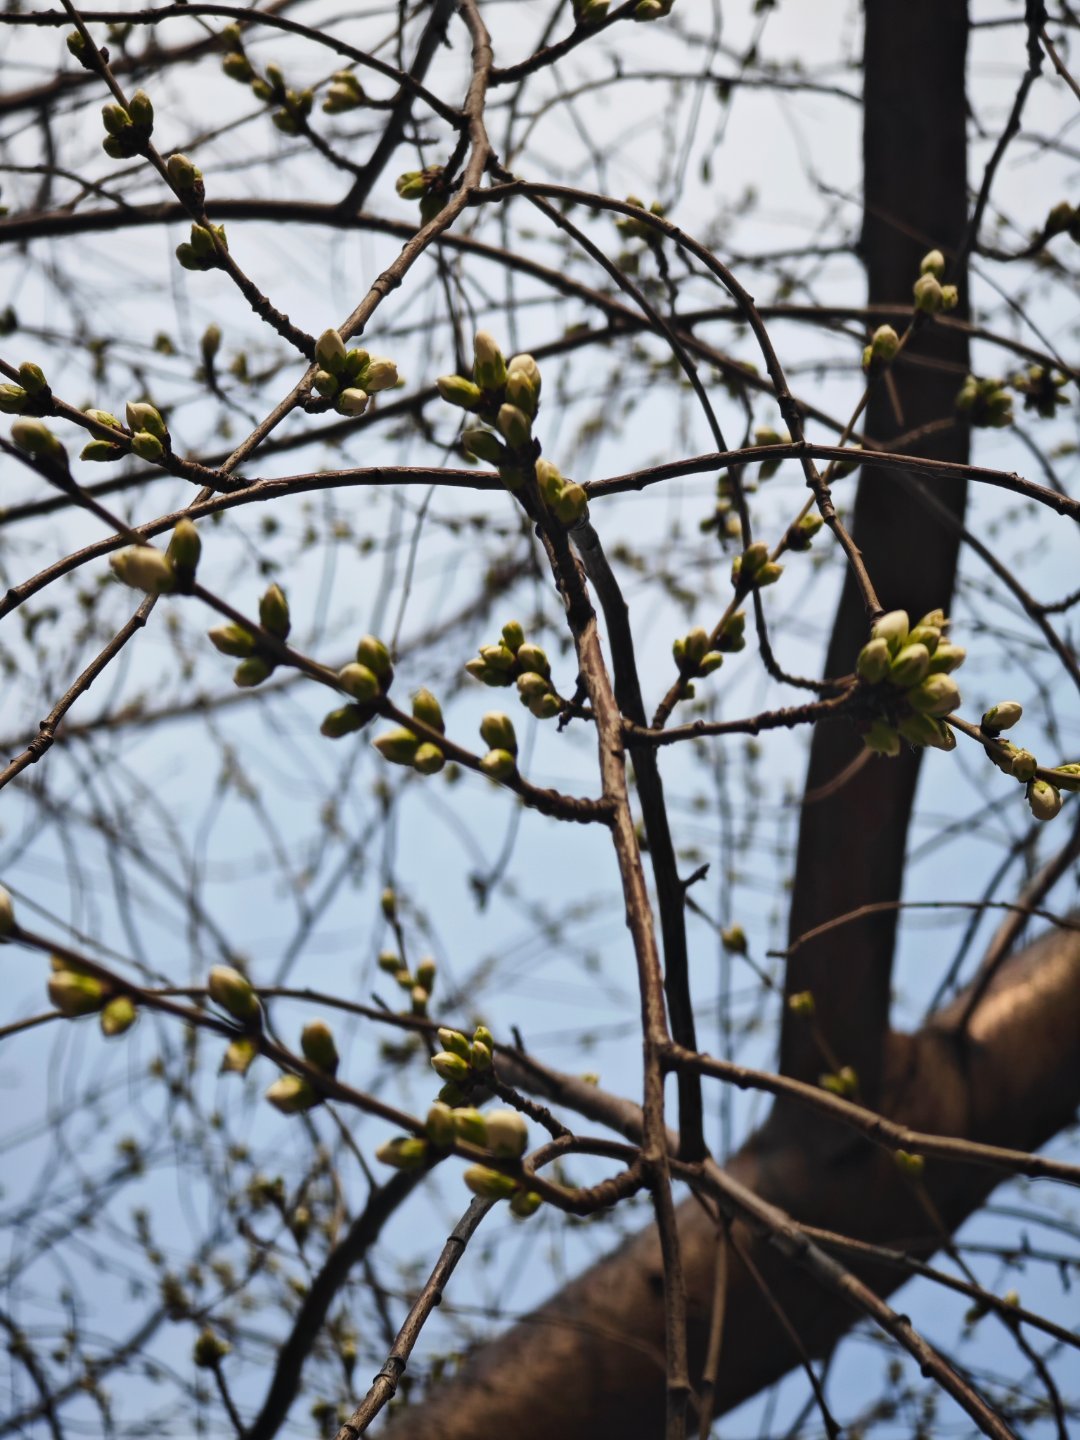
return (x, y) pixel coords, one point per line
(457, 390)
(884, 344)
(274, 612)
(359, 682)
(74, 994)
(928, 635)
(546, 706)
(209, 1350)
(374, 654)
(115, 118)
(950, 297)
(412, 185)
(252, 672)
(891, 627)
(426, 708)
(326, 384)
(927, 293)
(497, 731)
(873, 662)
(317, 1043)
(234, 992)
(7, 914)
(1024, 765)
(397, 746)
(549, 479)
(403, 1152)
(449, 1066)
(489, 369)
(498, 764)
(947, 658)
(932, 263)
(507, 1133)
(925, 730)
(232, 640)
(571, 505)
(1067, 776)
(292, 1094)
(470, 1126)
(1044, 799)
(801, 534)
(13, 399)
(143, 416)
(141, 110)
(454, 1041)
(526, 365)
(937, 695)
(148, 447)
(352, 402)
(345, 93)
(882, 739)
(440, 1125)
(118, 1015)
(734, 940)
(1002, 716)
(425, 974)
(520, 392)
(184, 173)
(238, 1056)
(489, 1184)
(381, 374)
(100, 450)
(143, 568)
(428, 760)
(908, 1164)
(37, 439)
(514, 426)
(531, 658)
(32, 378)
(480, 1056)
(497, 657)
(802, 1003)
(481, 444)
(527, 1202)
(389, 962)
(909, 666)
(344, 721)
(185, 547)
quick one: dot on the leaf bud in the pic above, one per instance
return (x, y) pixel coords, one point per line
(425, 707)
(143, 568)
(489, 1184)
(428, 760)
(292, 1094)
(514, 426)
(489, 369)
(449, 1066)
(1002, 716)
(274, 612)
(507, 1133)
(404, 1152)
(317, 1043)
(397, 746)
(371, 652)
(252, 672)
(234, 992)
(1044, 799)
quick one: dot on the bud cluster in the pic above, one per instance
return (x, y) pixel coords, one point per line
(505, 395)
(255, 665)
(76, 993)
(514, 660)
(906, 675)
(986, 403)
(497, 732)
(345, 93)
(753, 570)
(201, 252)
(1043, 796)
(294, 106)
(349, 377)
(430, 186)
(31, 396)
(567, 501)
(882, 350)
(1042, 390)
(693, 655)
(768, 435)
(402, 747)
(128, 131)
(419, 985)
(635, 229)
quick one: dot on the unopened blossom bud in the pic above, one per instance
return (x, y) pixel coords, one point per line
(439, 1125)
(381, 374)
(148, 447)
(252, 672)
(802, 1003)
(883, 347)
(1044, 799)
(909, 666)
(183, 173)
(882, 739)
(449, 1066)
(937, 695)
(457, 390)
(426, 708)
(397, 746)
(507, 1133)
(74, 994)
(549, 479)
(37, 439)
(497, 731)
(185, 547)
(428, 760)
(481, 444)
(403, 1152)
(317, 1043)
(480, 1056)
(928, 635)
(873, 662)
(209, 1350)
(927, 293)
(891, 627)
(234, 992)
(1024, 765)
(238, 1056)
(454, 1041)
(520, 392)
(526, 1202)
(1002, 716)
(352, 402)
(143, 568)
(514, 426)
(292, 1094)
(571, 505)
(274, 612)
(490, 366)
(489, 1184)
(1067, 776)
(426, 971)
(947, 658)
(531, 658)
(330, 351)
(734, 940)
(932, 263)
(326, 384)
(13, 399)
(371, 652)
(909, 1164)
(232, 640)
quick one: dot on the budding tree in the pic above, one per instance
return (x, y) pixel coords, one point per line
(541, 719)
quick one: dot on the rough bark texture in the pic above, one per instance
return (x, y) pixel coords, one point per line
(590, 1362)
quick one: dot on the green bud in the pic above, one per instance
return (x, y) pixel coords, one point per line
(428, 760)
(768, 574)
(141, 110)
(457, 390)
(238, 1056)
(937, 695)
(389, 962)
(232, 640)
(74, 994)
(1002, 716)
(326, 384)
(143, 416)
(455, 1042)
(498, 764)
(449, 1066)
(234, 992)
(1067, 776)
(1024, 765)
(882, 739)
(489, 1184)
(439, 1126)
(352, 402)
(480, 444)
(497, 732)
(873, 662)
(426, 708)
(513, 635)
(950, 297)
(844, 1082)
(344, 721)
(425, 974)
(403, 1152)
(801, 534)
(345, 93)
(892, 627)
(710, 661)
(531, 658)
(115, 118)
(274, 612)
(932, 263)
(397, 746)
(381, 374)
(925, 730)
(545, 707)
(209, 1350)
(497, 657)
(1044, 799)
(526, 366)
(13, 399)
(184, 173)
(928, 635)
(927, 293)
(507, 1133)
(802, 1003)
(32, 378)
(480, 1056)
(118, 1015)
(734, 940)
(359, 682)
(412, 185)
(479, 671)
(490, 367)
(374, 654)
(947, 658)
(908, 1164)
(101, 450)
(909, 666)
(185, 547)
(148, 447)
(884, 344)
(143, 568)
(292, 1094)
(237, 66)
(37, 439)
(514, 426)
(317, 1043)
(252, 672)
(519, 392)
(572, 504)
(550, 480)
(77, 46)
(527, 1202)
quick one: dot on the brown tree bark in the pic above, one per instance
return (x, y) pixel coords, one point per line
(590, 1361)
